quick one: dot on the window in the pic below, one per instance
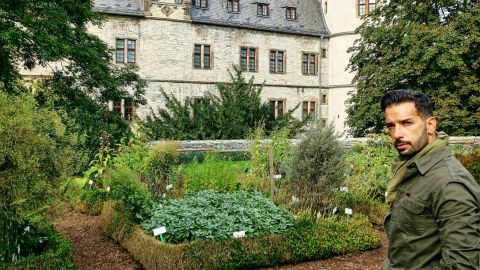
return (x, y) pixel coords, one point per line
(262, 9)
(125, 107)
(326, 7)
(324, 99)
(125, 47)
(309, 64)
(278, 107)
(364, 7)
(277, 61)
(233, 6)
(200, 3)
(178, 2)
(201, 56)
(308, 108)
(291, 13)
(248, 59)
(324, 53)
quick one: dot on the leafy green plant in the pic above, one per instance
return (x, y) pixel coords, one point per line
(32, 243)
(316, 169)
(214, 173)
(101, 162)
(125, 186)
(160, 163)
(258, 178)
(207, 215)
(366, 182)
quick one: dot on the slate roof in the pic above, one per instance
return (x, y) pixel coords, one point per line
(120, 7)
(309, 20)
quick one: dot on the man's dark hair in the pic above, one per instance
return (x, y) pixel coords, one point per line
(423, 103)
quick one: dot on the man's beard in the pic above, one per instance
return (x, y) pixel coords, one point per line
(416, 147)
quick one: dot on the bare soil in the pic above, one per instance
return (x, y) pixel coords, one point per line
(93, 250)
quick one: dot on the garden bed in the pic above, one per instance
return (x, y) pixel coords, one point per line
(306, 242)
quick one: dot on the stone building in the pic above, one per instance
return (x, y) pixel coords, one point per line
(297, 48)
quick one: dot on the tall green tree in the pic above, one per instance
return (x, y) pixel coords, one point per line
(232, 113)
(43, 32)
(429, 46)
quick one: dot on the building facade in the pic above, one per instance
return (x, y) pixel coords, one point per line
(296, 48)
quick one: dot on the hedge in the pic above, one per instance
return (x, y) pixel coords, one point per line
(307, 242)
(57, 255)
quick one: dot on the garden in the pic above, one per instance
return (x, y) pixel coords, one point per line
(277, 203)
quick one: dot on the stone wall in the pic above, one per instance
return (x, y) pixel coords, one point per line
(244, 145)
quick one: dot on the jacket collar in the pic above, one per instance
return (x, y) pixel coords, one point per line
(425, 163)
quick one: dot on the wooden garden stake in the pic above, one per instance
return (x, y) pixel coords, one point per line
(272, 183)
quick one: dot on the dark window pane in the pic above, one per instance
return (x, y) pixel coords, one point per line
(120, 43)
(131, 56)
(119, 56)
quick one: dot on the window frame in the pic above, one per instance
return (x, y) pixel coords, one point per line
(263, 10)
(308, 63)
(200, 4)
(276, 61)
(309, 109)
(367, 7)
(275, 109)
(202, 55)
(125, 50)
(125, 107)
(292, 15)
(248, 59)
(231, 4)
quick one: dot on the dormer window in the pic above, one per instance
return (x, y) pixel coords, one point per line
(262, 10)
(200, 3)
(233, 6)
(291, 13)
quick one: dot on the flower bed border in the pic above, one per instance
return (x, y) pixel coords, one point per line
(308, 243)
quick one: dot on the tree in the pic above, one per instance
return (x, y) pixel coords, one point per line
(231, 114)
(429, 46)
(42, 32)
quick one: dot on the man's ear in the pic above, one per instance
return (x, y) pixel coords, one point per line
(431, 125)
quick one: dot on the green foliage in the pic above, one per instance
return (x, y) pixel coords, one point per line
(133, 153)
(316, 169)
(101, 162)
(214, 173)
(34, 155)
(160, 163)
(369, 165)
(207, 215)
(471, 161)
(430, 46)
(125, 186)
(32, 244)
(229, 114)
(309, 241)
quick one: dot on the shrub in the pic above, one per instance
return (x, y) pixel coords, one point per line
(33, 244)
(214, 173)
(34, 155)
(126, 187)
(160, 164)
(471, 161)
(207, 215)
(367, 177)
(316, 169)
(92, 200)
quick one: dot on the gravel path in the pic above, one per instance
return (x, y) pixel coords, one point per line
(93, 250)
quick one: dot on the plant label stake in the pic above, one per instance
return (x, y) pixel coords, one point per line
(160, 231)
(349, 212)
(239, 234)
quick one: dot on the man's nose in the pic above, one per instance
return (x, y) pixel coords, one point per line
(397, 132)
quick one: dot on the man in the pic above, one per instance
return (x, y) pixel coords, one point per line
(434, 216)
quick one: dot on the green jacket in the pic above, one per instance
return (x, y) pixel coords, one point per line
(434, 221)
